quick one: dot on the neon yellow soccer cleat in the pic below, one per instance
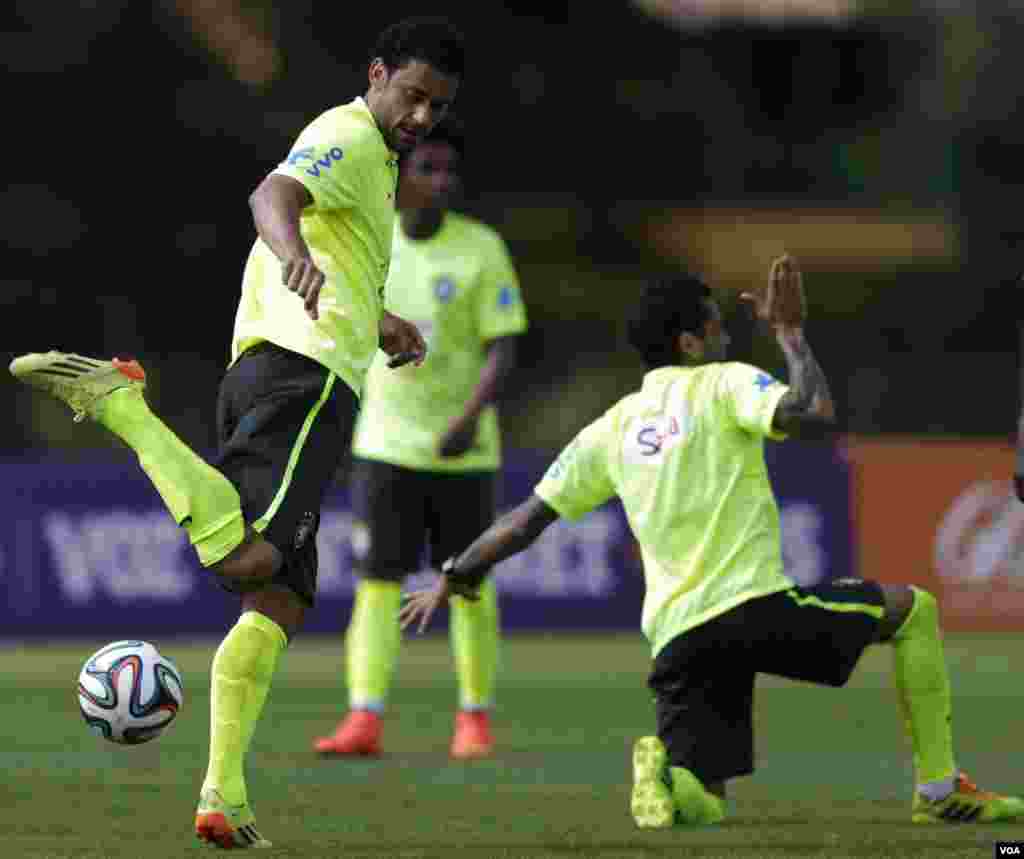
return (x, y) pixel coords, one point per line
(967, 804)
(227, 826)
(76, 380)
(651, 803)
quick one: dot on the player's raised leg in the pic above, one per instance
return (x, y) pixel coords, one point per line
(198, 496)
(943, 794)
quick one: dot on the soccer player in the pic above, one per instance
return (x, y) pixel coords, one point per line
(427, 445)
(685, 456)
(308, 325)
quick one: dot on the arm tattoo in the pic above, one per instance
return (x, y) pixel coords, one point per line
(808, 400)
(509, 535)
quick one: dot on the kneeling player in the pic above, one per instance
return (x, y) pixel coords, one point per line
(685, 456)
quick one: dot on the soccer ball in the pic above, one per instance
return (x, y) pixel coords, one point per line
(128, 693)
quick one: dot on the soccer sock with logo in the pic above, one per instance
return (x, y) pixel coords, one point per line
(372, 642)
(923, 684)
(197, 495)
(475, 639)
(242, 670)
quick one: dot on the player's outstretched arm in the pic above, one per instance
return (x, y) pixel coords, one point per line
(807, 407)
(277, 206)
(463, 574)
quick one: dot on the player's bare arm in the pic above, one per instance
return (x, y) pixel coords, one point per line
(501, 361)
(807, 407)
(463, 574)
(277, 205)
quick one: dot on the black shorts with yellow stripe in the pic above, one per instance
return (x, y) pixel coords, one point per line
(703, 680)
(284, 426)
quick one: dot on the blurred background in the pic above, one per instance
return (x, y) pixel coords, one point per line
(877, 141)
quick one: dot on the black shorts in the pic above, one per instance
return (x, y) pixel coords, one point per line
(284, 425)
(401, 510)
(703, 680)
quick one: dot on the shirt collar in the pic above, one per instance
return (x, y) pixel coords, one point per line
(361, 104)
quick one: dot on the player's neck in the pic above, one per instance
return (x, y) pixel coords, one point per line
(420, 224)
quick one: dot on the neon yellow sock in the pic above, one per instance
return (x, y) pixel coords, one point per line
(196, 494)
(475, 640)
(371, 643)
(923, 684)
(242, 670)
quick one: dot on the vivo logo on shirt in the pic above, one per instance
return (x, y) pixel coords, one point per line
(313, 162)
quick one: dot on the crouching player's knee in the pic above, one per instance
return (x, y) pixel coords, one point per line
(907, 608)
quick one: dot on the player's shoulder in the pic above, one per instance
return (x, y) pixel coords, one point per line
(472, 231)
(350, 124)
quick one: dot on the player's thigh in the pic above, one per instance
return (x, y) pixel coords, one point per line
(815, 634)
(703, 690)
(289, 424)
(460, 507)
(389, 505)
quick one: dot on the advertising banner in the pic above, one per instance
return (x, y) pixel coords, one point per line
(942, 515)
(86, 549)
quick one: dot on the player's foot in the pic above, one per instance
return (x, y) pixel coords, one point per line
(357, 735)
(695, 805)
(651, 802)
(967, 804)
(472, 738)
(76, 380)
(227, 826)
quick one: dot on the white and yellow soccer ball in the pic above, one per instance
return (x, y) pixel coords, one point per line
(128, 692)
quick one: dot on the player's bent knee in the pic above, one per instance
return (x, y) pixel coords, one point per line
(923, 611)
(250, 566)
(280, 604)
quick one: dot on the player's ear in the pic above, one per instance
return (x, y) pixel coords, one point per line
(690, 346)
(378, 73)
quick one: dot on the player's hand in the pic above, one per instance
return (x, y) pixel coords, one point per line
(459, 436)
(302, 277)
(401, 340)
(782, 302)
(421, 605)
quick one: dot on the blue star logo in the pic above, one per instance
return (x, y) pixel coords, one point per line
(763, 382)
(444, 289)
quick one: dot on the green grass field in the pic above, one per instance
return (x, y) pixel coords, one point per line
(833, 776)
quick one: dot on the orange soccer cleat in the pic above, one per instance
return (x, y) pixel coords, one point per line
(472, 738)
(357, 735)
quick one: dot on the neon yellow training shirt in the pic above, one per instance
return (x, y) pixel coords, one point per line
(461, 290)
(686, 456)
(342, 159)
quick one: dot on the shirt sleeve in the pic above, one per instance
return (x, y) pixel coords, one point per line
(326, 167)
(500, 310)
(580, 479)
(751, 397)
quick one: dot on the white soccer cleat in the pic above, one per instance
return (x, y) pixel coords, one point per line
(76, 380)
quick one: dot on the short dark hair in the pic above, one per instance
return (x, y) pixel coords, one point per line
(449, 130)
(667, 308)
(432, 40)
